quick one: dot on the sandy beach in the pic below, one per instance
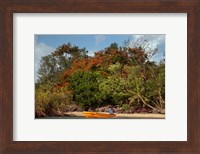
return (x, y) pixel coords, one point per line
(123, 115)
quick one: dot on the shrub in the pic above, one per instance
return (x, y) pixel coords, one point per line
(47, 101)
(125, 107)
(146, 86)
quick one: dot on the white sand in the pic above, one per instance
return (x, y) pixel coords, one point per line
(123, 115)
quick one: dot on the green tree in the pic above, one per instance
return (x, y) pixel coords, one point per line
(85, 87)
(114, 88)
(70, 52)
(53, 66)
(48, 70)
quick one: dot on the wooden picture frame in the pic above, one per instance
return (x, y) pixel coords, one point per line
(7, 8)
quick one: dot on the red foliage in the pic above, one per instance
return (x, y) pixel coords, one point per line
(104, 59)
(85, 64)
(101, 59)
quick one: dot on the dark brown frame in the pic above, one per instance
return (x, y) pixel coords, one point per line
(8, 7)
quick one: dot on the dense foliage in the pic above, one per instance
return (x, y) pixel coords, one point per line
(116, 76)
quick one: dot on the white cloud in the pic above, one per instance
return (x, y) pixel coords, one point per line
(91, 52)
(41, 49)
(149, 41)
(99, 38)
(136, 37)
(153, 40)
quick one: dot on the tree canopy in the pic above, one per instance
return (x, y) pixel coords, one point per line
(116, 76)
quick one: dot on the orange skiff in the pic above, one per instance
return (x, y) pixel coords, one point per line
(98, 115)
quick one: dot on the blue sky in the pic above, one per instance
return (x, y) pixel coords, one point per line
(45, 44)
(91, 42)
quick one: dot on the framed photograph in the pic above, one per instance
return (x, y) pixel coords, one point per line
(102, 76)
(99, 76)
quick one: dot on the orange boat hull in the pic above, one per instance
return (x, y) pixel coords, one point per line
(98, 115)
